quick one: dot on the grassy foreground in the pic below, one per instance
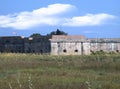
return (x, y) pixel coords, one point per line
(32, 71)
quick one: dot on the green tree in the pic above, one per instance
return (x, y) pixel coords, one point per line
(57, 32)
(35, 35)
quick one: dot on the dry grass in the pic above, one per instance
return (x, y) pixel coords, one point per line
(33, 71)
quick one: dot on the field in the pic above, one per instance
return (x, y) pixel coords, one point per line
(34, 71)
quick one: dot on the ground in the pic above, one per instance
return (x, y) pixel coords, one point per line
(34, 71)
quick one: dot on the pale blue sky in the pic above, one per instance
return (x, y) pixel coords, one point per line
(92, 18)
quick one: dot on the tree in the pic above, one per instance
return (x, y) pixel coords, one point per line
(35, 35)
(57, 32)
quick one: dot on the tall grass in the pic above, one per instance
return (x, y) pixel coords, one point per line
(33, 71)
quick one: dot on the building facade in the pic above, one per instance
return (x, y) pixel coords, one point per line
(58, 45)
(68, 45)
(11, 44)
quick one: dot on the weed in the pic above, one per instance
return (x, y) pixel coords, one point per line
(33, 71)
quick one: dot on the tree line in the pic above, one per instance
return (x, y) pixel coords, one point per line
(57, 32)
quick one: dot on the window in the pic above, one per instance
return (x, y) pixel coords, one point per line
(101, 51)
(117, 51)
(64, 50)
(76, 50)
(91, 51)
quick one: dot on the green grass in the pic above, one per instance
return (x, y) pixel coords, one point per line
(33, 71)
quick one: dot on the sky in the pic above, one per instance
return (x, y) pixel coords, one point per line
(91, 18)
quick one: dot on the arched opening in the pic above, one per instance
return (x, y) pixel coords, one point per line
(117, 51)
(76, 51)
(64, 50)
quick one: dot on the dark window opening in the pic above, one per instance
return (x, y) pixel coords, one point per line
(76, 50)
(101, 50)
(64, 50)
(117, 51)
(91, 51)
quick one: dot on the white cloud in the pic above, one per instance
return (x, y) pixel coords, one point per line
(51, 15)
(88, 20)
(53, 9)
(42, 16)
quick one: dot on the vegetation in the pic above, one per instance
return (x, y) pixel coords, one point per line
(33, 71)
(35, 35)
(57, 32)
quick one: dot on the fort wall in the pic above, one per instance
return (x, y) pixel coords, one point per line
(58, 45)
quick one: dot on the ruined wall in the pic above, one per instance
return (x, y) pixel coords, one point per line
(18, 44)
(59, 45)
(66, 45)
(63, 45)
(86, 48)
(70, 48)
(11, 44)
(65, 48)
(37, 45)
(106, 45)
